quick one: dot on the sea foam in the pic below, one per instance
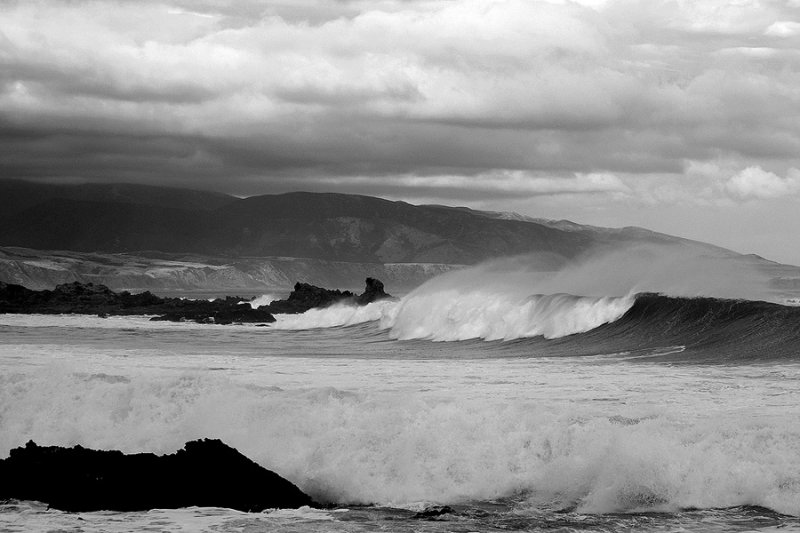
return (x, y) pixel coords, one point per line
(335, 315)
(434, 432)
(451, 315)
(264, 299)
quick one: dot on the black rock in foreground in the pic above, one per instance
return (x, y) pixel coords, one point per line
(205, 473)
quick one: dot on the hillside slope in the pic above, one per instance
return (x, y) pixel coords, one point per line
(130, 236)
(324, 226)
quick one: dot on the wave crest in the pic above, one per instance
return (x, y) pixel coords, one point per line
(452, 315)
(264, 299)
(334, 316)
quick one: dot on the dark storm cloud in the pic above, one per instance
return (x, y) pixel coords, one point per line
(482, 98)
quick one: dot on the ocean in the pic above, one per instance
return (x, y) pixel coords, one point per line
(520, 410)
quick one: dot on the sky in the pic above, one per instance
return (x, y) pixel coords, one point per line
(680, 116)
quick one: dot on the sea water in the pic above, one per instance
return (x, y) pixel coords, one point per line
(381, 413)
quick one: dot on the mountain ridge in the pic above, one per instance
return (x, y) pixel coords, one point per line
(265, 240)
(331, 226)
(130, 218)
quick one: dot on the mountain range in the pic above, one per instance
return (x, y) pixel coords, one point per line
(333, 227)
(263, 241)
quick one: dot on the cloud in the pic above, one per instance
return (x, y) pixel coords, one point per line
(783, 28)
(507, 184)
(754, 182)
(528, 96)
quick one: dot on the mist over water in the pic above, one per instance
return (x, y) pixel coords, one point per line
(671, 270)
(511, 298)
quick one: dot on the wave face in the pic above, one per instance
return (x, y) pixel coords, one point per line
(704, 328)
(699, 329)
(644, 325)
(452, 315)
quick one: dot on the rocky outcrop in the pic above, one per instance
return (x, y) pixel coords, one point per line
(87, 298)
(305, 297)
(372, 292)
(205, 473)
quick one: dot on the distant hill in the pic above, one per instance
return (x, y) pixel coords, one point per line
(325, 226)
(133, 236)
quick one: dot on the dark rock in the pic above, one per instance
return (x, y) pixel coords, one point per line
(305, 297)
(372, 292)
(87, 298)
(205, 473)
(434, 512)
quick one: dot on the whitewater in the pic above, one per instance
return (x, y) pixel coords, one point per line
(640, 407)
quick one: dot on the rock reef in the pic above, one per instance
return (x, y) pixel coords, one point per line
(87, 298)
(305, 297)
(205, 473)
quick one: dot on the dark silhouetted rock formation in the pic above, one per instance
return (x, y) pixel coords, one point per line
(87, 298)
(305, 297)
(372, 292)
(205, 473)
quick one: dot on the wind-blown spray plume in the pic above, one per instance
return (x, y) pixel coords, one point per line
(508, 299)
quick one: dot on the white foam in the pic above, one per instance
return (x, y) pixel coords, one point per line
(264, 299)
(335, 315)
(604, 437)
(457, 314)
(451, 314)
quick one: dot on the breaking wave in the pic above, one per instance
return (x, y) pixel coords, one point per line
(452, 315)
(647, 324)
(334, 316)
(393, 448)
(264, 299)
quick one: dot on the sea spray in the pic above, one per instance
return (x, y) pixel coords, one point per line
(510, 298)
(335, 315)
(400, 433)
(264, 299)
(452, 315)
(667, 269)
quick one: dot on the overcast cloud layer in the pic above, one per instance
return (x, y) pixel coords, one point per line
(682, 116)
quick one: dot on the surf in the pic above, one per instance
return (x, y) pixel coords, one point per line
(453, 315)
(405, 433)
(643, 302)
